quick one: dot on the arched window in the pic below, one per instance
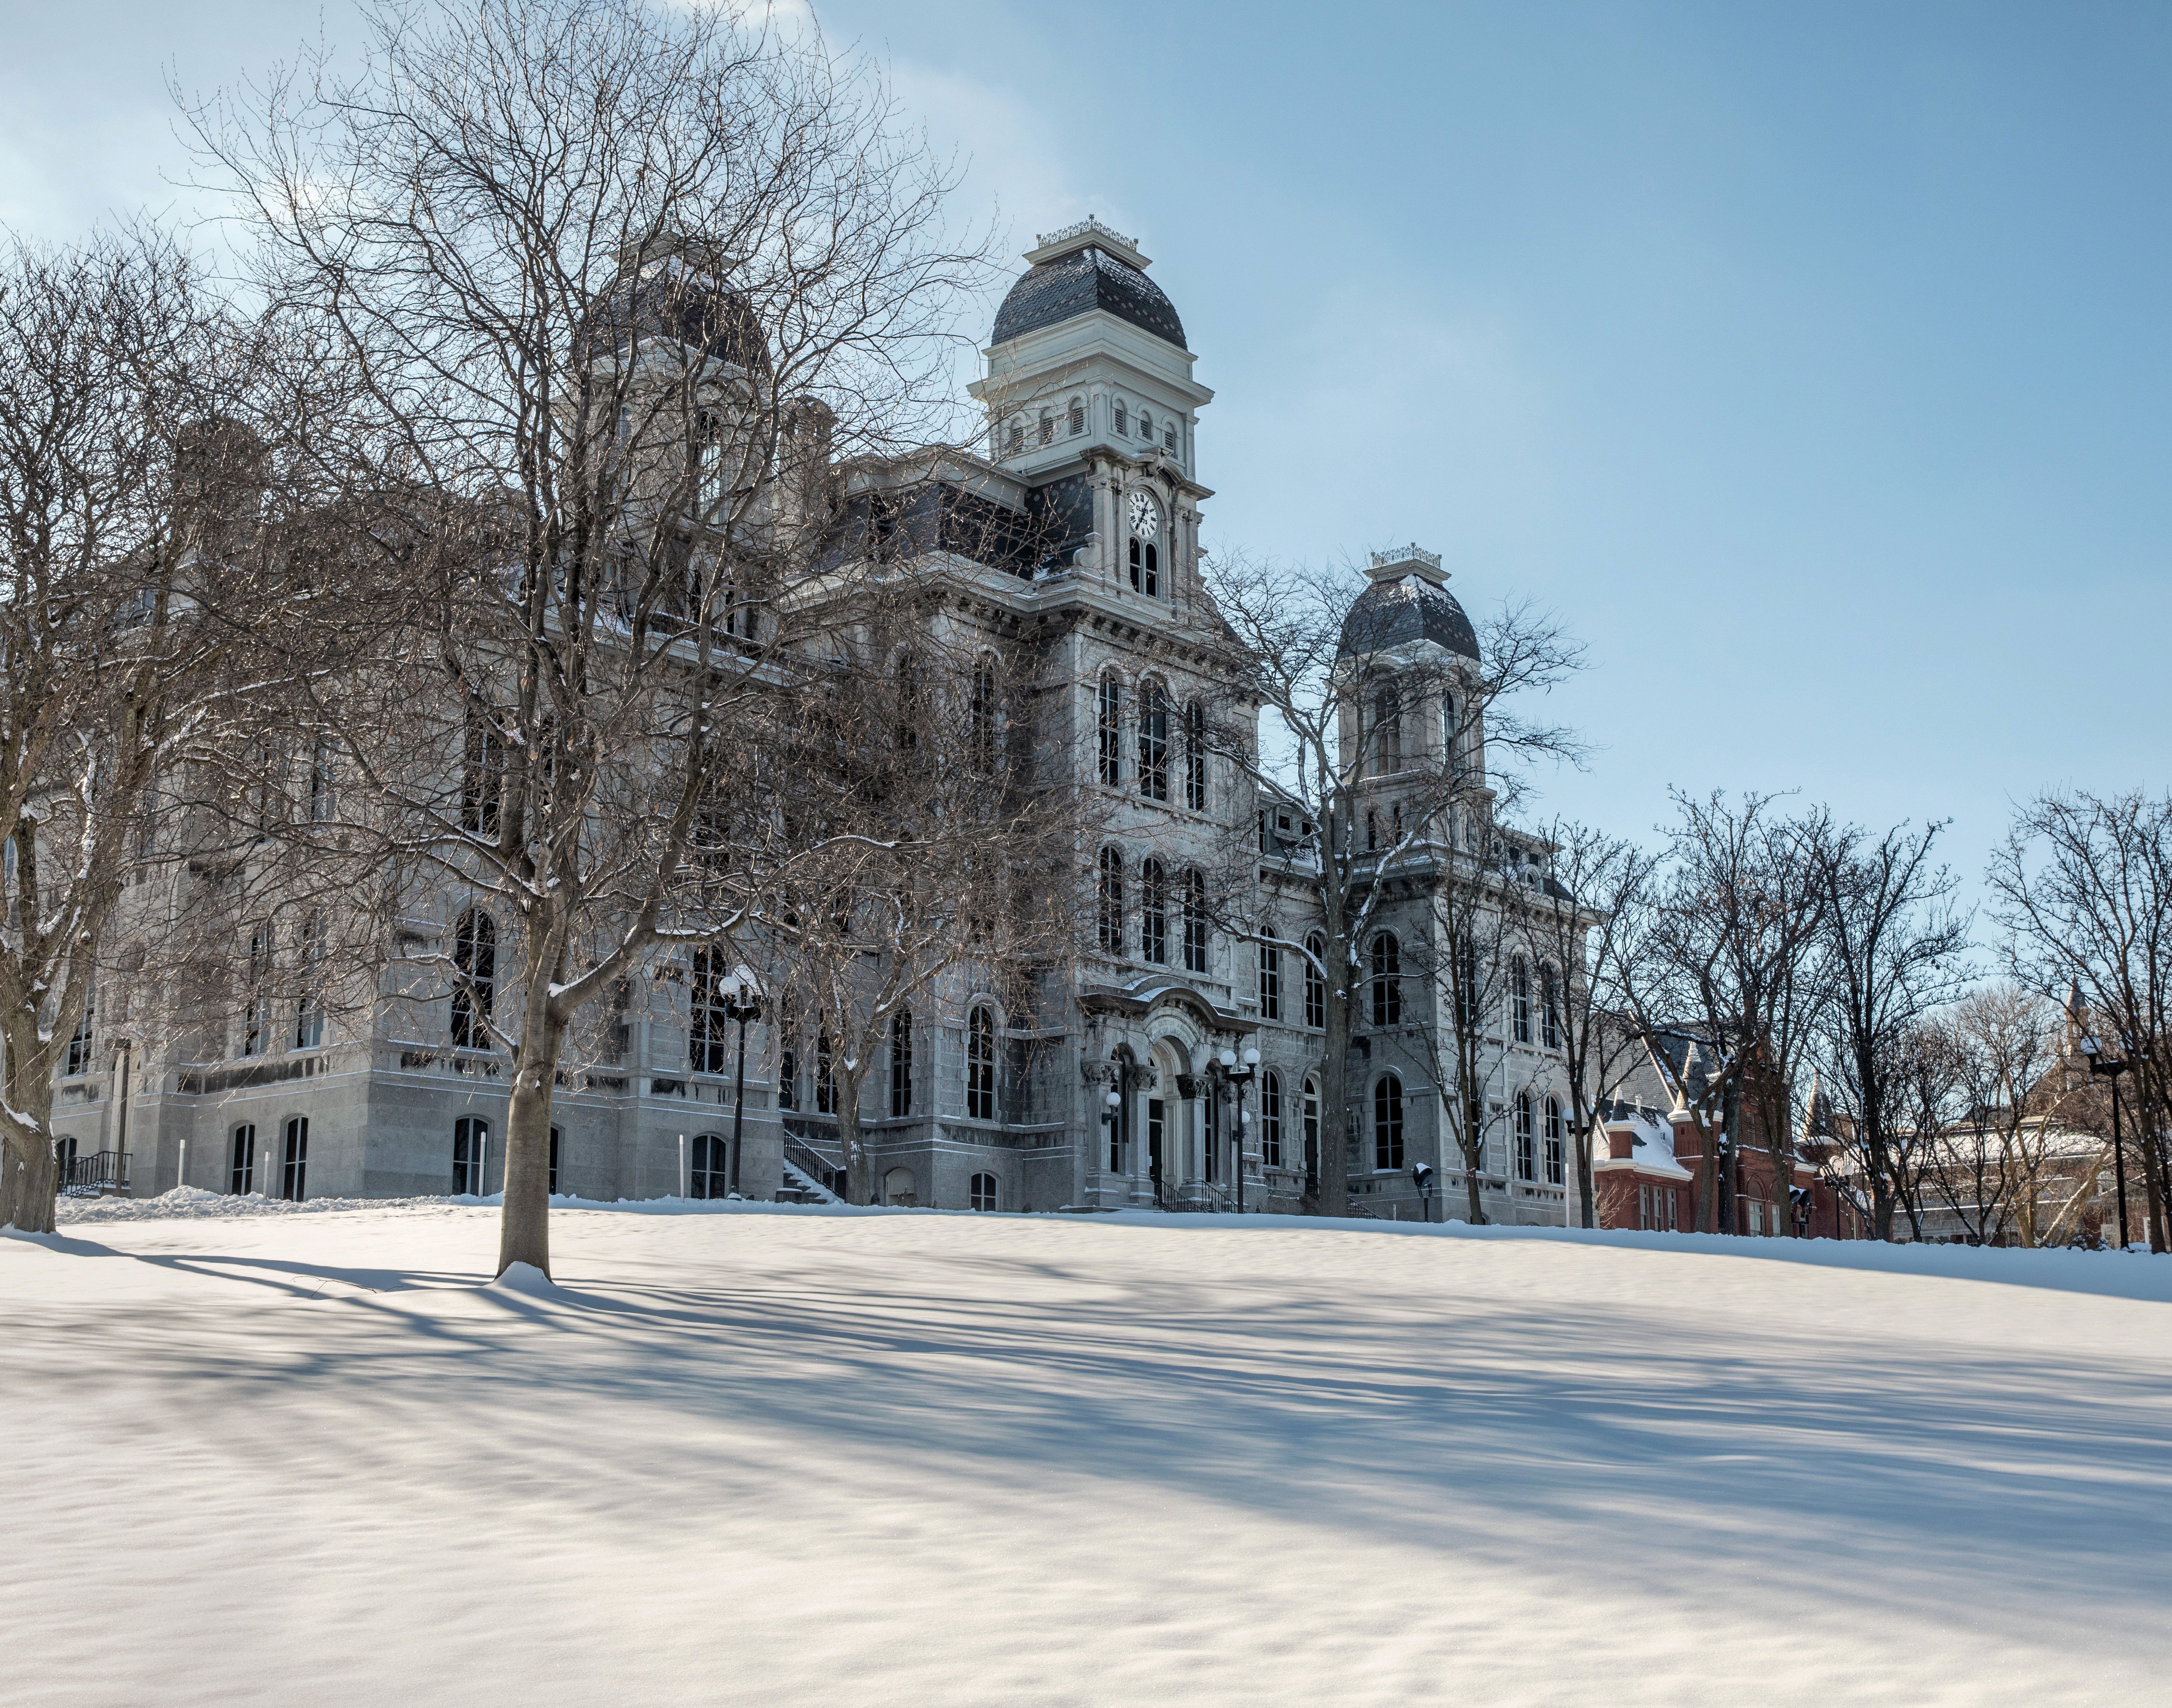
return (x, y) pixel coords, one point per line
(1311, 1132)
(708, 1166)
(1388, 1123)
(1111, 732)
(906, 713)
(710, 1023)
(475, 989)
(826, 1080)
(1047, 428)
(1194, 757)
(241, 1161)
(1078, 416)
(1194, 921)
(986, 713)
(901, 1065)
(1153, 743)
(1017, 434)
(981, 1066)
(1550, 1017)
(1271, 1119)
(1387, 979)
(1372, 831)
(1271, 982)
(1123, 418)
(553, 1161)
(470, 1141)
(1168, 436)
(295, 1174)
(1520, 1000)
(1526, 1169)
(1109, 902)
(1554, 1148)
(1154, 913)
(984, 1192)
(1315, 982)
(256, 1018)
(787, 1066)
(1146, 543)
(1450, 747)
(482, 778)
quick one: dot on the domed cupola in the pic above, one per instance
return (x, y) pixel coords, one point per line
(1408, 602)
(1081, 268)
(673, 289)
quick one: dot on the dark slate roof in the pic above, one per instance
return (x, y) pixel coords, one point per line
(1391, 613)
(683, 306)
(1077, 284)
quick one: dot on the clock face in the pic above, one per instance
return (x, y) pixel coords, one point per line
(1145, 518)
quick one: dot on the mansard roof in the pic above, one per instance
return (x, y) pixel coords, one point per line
(1392, 614)
(1079, 281)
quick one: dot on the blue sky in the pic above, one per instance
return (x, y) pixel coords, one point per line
(1811, 362)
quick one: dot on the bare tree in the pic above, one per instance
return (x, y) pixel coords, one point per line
(1736, 963)
(1894, 948)
(1590, 922)
(615, 284)
(2083, 890)
(922, 860)
(1383, 744)
(133, 570)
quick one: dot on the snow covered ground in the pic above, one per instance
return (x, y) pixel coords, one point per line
(778, 1456)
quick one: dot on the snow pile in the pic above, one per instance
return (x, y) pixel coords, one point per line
(812, 1457)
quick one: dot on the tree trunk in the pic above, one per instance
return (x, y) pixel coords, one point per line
(525, 1222)
(32, 1182)
(859, 1187)
(1334, 1198)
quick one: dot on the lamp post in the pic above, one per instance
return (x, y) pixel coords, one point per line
(1237, 1076)
(1421, 1177)
(1112, 1113)
(742, 994)
(2099, 1063)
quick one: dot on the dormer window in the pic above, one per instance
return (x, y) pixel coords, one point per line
(1146, 544)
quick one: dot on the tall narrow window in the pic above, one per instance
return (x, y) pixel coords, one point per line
(1123, 417)
(1194, 922)
(1109, 902)
(241, 1161)
(1388, 1123)
(553, 1161)
(294, 1178)
(1520, 1000)
(1168, 436)
(255, 1016)
(1194, 757)
(901, 1065)
(1526, 1167)
(475, 986)
(709, 482)
(1315, 982)
(826, 1078)
(981, 1066)
(1311, 1133)
(1554, 1147)
(1146, 543)
(482, 778)
(1047, 428)
(984, 715)
(708, 1166)
(1451, 744)
(1271, 1119)
(1154, 913)
(1387, 979)
(1271, 982)
(470, 1142)
(904, 676)
(1017, 434)
(787, 1072)
(1146, 425)
(709, 1023)
(1078, 416)
(320, 781)
(1153, 744)
(983, 1195)
(1387, 732)
(1550, 1017)
(309, 1006)
(1111, 730)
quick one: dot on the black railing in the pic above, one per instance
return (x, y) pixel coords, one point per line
(102, 1171)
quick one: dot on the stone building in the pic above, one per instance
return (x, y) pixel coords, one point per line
(1070, 551)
